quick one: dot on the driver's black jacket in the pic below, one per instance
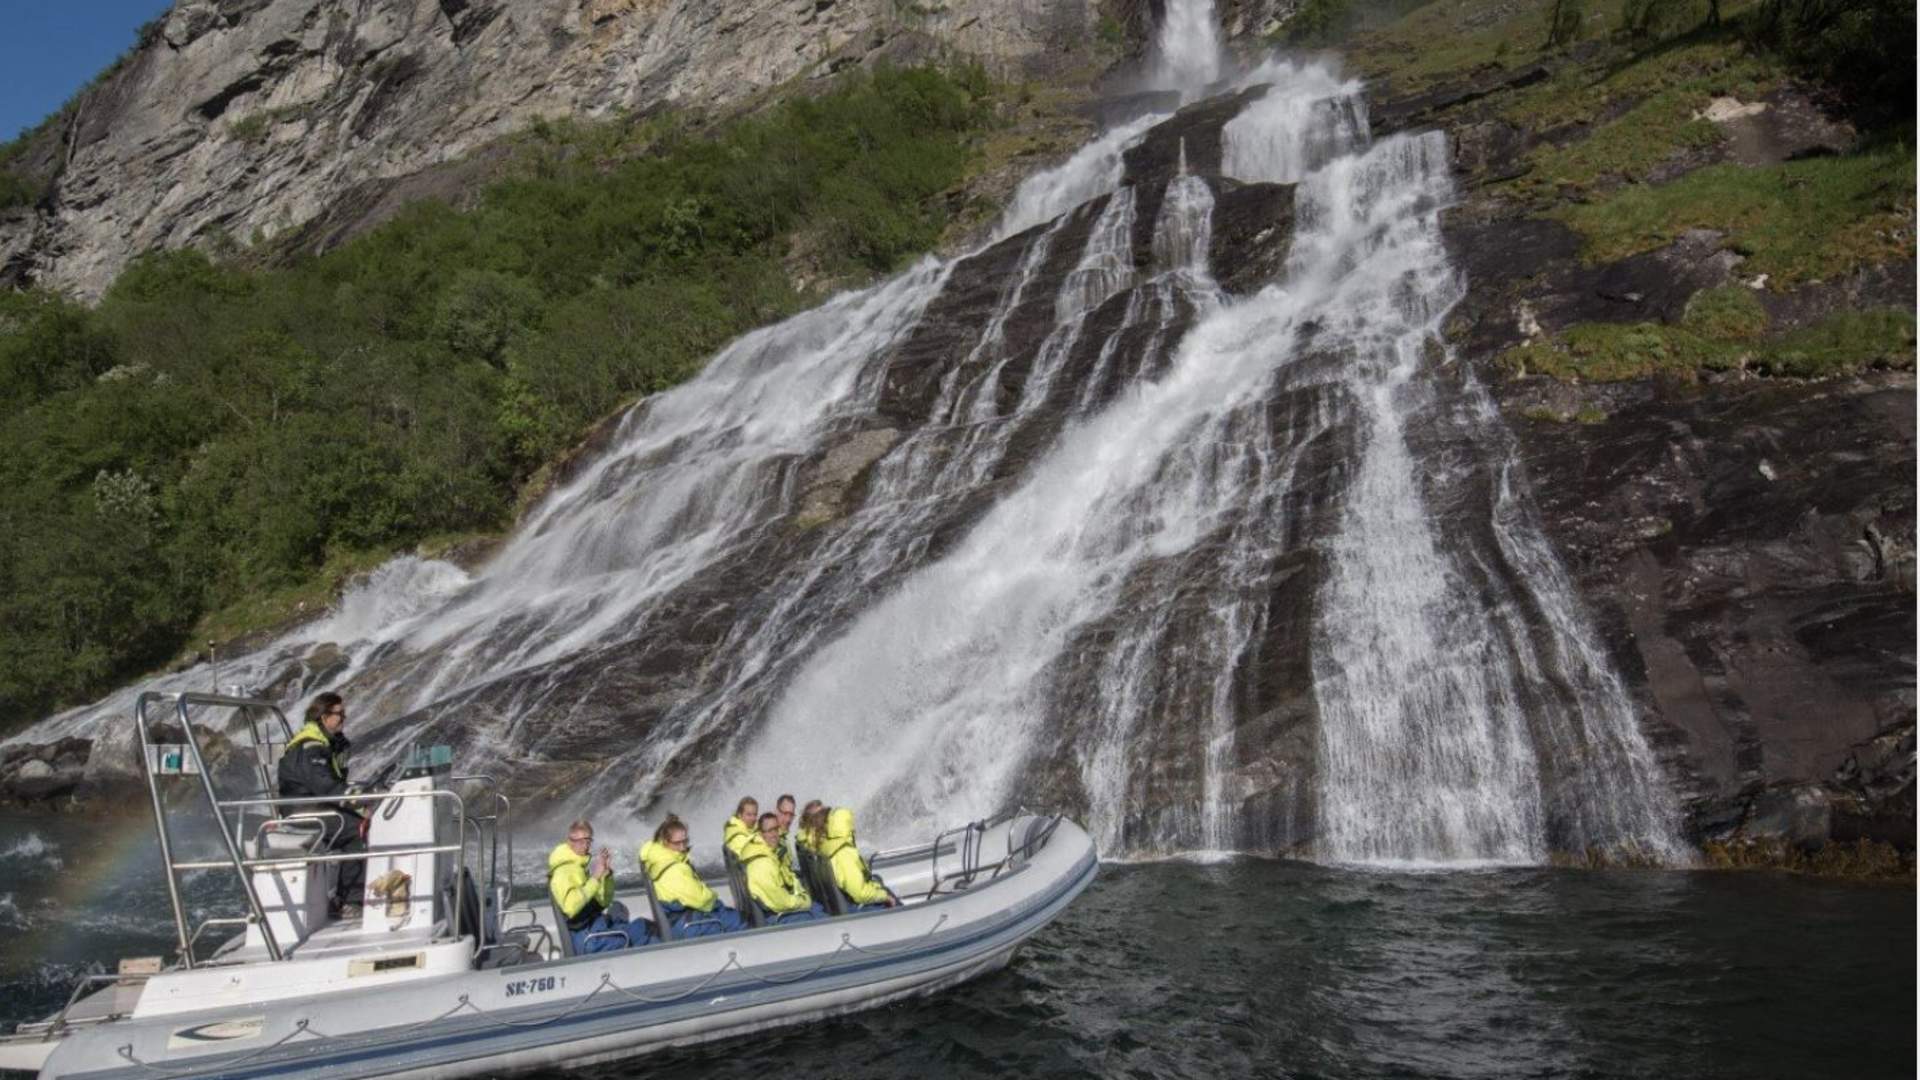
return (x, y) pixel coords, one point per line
(315, 764)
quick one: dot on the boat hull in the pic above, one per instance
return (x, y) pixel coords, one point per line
(612, 1005)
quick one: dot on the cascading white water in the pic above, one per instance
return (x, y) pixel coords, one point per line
(1428, 750)
(1284, 136)
(1092, 171)
(1119, 572)
(1187, 50)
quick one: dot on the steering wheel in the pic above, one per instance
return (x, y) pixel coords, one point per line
(377, 780)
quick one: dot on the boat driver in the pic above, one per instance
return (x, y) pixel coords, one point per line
(314, 765)
(581, 884)
(772, 882)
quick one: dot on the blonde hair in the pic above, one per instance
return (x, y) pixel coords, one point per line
(813, 823)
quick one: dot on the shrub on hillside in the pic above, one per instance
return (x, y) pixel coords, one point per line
(252, 426)
(1864, 48)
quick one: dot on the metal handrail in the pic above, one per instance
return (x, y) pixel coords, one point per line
(459, 847)
(973, 834)
(502, 805)
(254, 711)
(228, 920)
(330, 857)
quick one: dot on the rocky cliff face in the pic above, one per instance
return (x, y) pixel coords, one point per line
(1747, 543)
(249, 118)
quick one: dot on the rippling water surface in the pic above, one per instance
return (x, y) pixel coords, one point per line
(1263, 969)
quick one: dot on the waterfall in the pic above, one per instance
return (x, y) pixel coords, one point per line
(1433, 720)
(1093, 491)
(1092, 171)
(1187, 50)
(1284, 136)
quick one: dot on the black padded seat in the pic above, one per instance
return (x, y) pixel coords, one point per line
(662, 928)
(743, 900)
(828, 894)
(560, 931)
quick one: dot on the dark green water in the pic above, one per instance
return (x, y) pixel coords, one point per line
(1267, 969)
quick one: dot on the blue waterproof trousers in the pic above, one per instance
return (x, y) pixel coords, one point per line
(615, 931)
(688, 923)
(815, 912)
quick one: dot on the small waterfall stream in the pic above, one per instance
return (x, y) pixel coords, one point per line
(1069, 567)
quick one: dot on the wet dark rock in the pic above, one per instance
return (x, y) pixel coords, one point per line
(1192, 135)
(829, 485)
(1527, 279)
(1885, 286)
(1721, 534)
(1800, 815)
(1115, 110)
(43, 772)
(1390, 113)
(318, 667)
(1251, 226)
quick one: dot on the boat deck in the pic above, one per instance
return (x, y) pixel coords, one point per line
(332, 940)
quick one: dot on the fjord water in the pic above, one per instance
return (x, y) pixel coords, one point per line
(1247, 968)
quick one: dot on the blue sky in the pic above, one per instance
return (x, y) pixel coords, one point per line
(51, 48)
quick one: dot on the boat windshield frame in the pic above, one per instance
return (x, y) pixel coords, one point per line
(230, 815)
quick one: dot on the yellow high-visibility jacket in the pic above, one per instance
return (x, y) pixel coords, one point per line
(735, 834)
(771, 881)
(849, 869)
(674, 881)
(579, 895)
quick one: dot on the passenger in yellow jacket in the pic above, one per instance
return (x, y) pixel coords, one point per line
(813, 826)
(772, 881)
(741, 826)
(581, 885)
(849, 869)
(691, 908)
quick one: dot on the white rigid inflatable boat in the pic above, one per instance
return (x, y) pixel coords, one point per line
(455, 980)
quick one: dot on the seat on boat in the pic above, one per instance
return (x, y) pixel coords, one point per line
(825, 888)
(560, 932)
(809, 871)
(743, 900)
(565, 936)
(661, 925)
(294, 895)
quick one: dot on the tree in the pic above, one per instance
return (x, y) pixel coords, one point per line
(1564, 22)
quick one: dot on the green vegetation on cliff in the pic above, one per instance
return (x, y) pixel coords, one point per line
(1616, 138)
(210, 434)
(1844, 343)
